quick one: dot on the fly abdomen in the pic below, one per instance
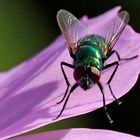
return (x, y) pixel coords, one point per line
(97, 42)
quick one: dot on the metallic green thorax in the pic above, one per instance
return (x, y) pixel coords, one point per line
(89, 51)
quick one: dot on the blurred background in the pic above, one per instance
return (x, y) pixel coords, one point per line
(28, 26)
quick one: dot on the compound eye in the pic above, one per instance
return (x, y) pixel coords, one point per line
(94, 74)
(79, 72)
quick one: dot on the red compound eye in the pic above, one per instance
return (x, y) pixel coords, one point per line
(78, 72)
(94, 74)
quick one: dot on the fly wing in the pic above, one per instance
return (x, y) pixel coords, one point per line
(71, 28)
(114, 28)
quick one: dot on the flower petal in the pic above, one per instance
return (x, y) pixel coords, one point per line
(30, 91)
(79, 134)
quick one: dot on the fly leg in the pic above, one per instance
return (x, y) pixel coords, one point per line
(118, 56)
(104, 104)
(123, 59)
(116, 63)
(71, 90)
(66, 79)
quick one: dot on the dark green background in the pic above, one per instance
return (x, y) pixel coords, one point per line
(28, 26)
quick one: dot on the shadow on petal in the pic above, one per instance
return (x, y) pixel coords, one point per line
(17, 108)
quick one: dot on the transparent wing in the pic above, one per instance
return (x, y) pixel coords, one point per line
(114, 28)
(71, 28)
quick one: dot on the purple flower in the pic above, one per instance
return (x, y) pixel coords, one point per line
(30, 91)
(79, 134)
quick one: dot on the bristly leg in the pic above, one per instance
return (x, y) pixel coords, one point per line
(71, 90)
(104, 104)
(118, 56)
(117, 64)
(66, 79)
(111, 77)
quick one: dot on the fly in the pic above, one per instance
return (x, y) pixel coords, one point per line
(89, 53)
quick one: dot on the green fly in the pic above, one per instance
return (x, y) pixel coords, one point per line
(90, 51)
